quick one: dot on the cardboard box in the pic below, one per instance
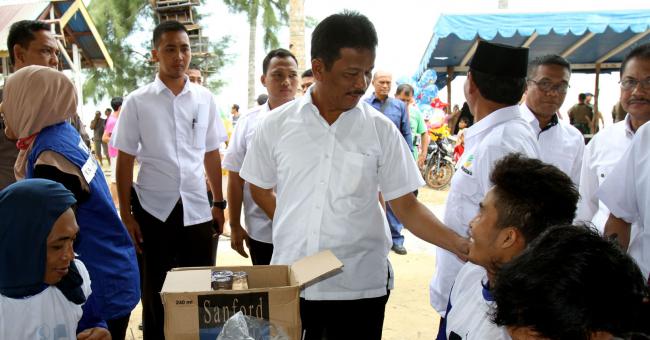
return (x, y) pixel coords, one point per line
(194, 311)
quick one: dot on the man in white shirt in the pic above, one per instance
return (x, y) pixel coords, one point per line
(173, 128)
(560, 143)
(528, 196)
(328, 155)
(606, 148)
(280, 77)
(494, 86)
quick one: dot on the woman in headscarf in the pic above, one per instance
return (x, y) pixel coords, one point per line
(37, 103)
(42, 286)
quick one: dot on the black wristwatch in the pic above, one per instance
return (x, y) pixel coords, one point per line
(220, 204)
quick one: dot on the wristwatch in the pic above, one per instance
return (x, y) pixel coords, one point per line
(220, 204)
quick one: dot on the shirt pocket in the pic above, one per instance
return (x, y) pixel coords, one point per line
(358, 173)
(200, 126)
(467, 188)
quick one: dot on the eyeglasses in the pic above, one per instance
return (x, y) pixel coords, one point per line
(548, 86)
(629, 84)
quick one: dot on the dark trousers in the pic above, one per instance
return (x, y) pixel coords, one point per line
(261, 252)
(361, 319)
(117, 327)
(167, 245)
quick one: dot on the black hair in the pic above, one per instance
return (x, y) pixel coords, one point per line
(532, 195)
(22, 33)
(116, 103)
(569, 283)
(641, 52)
(194, 67)
(349, 29)
(164, 27)
(276, 53)
(307, 73)
(404, 88)
(464, 119)
(262, 98)
(582, 97)
(549, 59)
(501, 89)
(236, 107)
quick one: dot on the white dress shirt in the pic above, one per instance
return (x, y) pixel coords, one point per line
(327, 179)
(500, 133)
(170, 135)
(626, 194)
(257, 223)
(561, 144)
(471, 305)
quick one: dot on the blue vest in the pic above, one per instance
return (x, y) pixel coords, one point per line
(103, 244)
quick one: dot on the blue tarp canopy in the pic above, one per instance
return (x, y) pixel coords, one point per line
(588, 40)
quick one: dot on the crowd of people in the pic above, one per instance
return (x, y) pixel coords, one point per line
(317, 166)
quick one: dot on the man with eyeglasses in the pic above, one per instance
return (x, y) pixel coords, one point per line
(560, 143)
(609, 145)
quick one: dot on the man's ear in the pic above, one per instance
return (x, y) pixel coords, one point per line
(510, 237)
(471, 85)
(154, 55)
(263, 80)
(317, 68)
(19, 53)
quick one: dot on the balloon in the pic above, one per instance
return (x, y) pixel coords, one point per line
(428, 78)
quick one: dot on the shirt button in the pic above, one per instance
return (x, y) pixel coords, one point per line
(327, 156)
(322, 182)
(318, 207)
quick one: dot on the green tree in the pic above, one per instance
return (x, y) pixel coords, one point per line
(274, 16)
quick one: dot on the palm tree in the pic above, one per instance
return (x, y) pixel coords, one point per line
(297, 31)
(274, 15)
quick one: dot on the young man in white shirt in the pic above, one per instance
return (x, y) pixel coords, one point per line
(606, 148)
(560, 143)
(280, 77)
(528, 196)
(325, 157)
(173, 128)
(494, 86)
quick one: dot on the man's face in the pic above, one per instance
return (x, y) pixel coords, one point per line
(547, 89)
(347, 80)
(382, 83)
(195, 76)
(636, 101)
(108, 113)
(588, 99)
(42, 51)
(484, 232)
(305, 83)
(406, 97)
(59, 247)
(173, 54)
(281, 79)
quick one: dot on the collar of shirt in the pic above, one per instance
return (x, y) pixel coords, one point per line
(493, 119)
(160, 86)
(628, 126)
(528, 115)
(306, 100)
(485, 290)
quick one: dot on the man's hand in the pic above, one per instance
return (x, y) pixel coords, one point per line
(96, 333)
(219, 219)
(421, 159)
(237, 238)
(133, 228)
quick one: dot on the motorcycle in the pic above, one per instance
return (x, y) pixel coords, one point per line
(439, 165)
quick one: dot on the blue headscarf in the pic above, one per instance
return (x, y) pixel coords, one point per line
(28, 210)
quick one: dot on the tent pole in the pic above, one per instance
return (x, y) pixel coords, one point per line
(450, 72)
(596, 94)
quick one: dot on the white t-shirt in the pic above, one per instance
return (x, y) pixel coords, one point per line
(561, 145)
(327, 179)
(626, 194)
(170, 135)
(470, 305)
(257, 223)
(500, 133)
(46, 315)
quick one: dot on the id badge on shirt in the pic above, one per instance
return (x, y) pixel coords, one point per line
(200, 126)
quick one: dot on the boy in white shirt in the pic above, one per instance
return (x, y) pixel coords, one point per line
(527, 197)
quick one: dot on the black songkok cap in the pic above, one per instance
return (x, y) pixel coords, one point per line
(500, 60)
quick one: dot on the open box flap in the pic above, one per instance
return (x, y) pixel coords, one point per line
(312, 267)
(184, 281)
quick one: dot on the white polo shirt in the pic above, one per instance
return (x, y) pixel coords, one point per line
(626, 194)
(257, 223)
(470, 305)
(500, 133)
(326, 179)
(601, 154)
(561, 144)
(170, 135)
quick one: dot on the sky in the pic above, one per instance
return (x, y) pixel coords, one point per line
(404, 29)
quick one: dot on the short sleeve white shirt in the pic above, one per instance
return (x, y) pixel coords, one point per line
(561, 145)
(626, 194)
(170, 135)
(327, 178)
(257, 223)
(500, 133)
(46, 315)
(470, 305)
